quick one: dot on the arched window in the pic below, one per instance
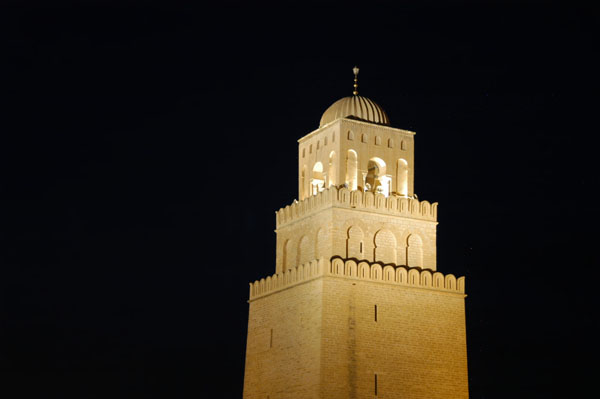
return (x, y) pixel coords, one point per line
(391, 143)
(377, 140)
(376, 180)
(325, 141)
(385, 247)
(303, 183)
(403, 145)
(414, 251)
(332, 169)
(365, 138)
(354, 243)
(350, 135)
(304, 251)
(402, 177)
(287, 252)
(317, 181)
(352, 170)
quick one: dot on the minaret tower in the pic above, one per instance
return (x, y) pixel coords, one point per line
(356, 307)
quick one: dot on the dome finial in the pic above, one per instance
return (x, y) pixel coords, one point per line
(355, 70)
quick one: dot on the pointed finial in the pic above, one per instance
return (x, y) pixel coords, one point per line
(355, 70)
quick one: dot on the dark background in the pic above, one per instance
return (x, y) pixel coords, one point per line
(145, 149)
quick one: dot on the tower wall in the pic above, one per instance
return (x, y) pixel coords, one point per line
(283, 351)
(329, 340)
(415, 345)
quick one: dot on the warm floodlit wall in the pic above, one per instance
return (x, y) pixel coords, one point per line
(352, 145)
(343, 329)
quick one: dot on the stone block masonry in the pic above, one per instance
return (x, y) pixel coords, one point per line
(326, 328)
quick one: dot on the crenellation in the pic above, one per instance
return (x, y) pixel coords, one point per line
(344, 198)
(287, 278)
(348, 268)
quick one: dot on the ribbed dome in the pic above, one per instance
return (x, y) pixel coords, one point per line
(355, 107)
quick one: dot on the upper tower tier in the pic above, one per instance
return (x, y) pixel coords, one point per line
(355, 147)
(356, 197)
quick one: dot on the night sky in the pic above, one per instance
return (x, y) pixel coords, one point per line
(145, 150)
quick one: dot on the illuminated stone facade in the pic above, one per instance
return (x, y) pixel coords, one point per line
(356, 308)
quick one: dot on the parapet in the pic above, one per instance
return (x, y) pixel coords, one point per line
(349, 268)
(344, 198)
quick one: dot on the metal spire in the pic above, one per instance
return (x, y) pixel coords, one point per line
(355, 70)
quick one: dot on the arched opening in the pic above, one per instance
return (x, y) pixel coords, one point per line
(414, 251)
(385, 247)
(317, 182)
(332, 172)
(303, 183)
(402, 177)
(351, 170)
(354, 243)
(304, 251)
(287, 262)
(376, 180)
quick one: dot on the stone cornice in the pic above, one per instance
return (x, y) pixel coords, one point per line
(357, 122)
(414, 278)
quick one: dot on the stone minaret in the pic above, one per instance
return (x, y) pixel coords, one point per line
(356, 307)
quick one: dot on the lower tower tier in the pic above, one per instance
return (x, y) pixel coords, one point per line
(347, 329)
